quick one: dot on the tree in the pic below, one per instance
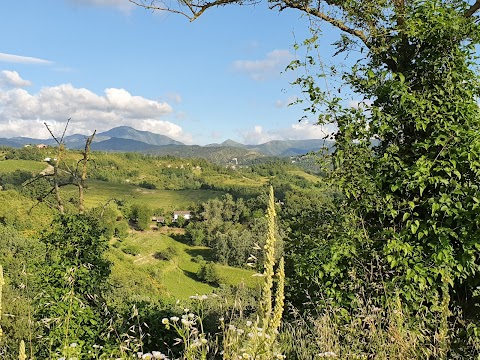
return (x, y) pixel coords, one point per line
(141, 215)
(407, 160)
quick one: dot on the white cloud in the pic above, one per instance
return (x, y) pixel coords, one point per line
(273, 63)
(10, 79)
(23, 114)
(298, 131)
(17, 59)
(123, 5)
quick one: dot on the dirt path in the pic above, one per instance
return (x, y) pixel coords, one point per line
(47, 171)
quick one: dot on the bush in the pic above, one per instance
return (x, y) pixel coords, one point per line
(131, 250)
(121, 229)
(208, 273)
(166, 254)
(147, 185)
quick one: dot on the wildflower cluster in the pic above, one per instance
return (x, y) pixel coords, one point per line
(190, 330)
(247, 341)
(327, 354)
(72, 351)
(152, 355)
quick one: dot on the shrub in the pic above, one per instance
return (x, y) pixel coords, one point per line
(208, 273)
(131, 249)
(166, 254)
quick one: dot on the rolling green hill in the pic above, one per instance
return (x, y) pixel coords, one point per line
(147, 275)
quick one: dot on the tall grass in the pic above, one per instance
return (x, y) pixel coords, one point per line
(368, 332)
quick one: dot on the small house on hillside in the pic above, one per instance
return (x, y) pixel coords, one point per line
(185, 214)
(158, 219)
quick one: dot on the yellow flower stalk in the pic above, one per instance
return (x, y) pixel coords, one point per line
(21, 353)
(279, 298)
(271, 316)
(2, 282)
(266, 302)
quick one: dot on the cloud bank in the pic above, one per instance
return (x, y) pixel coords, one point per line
(23, 113)
(298, 131)
(273, 63)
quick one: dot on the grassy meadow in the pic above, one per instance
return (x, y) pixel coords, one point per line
(7, 166)
(151, 276)
(99, 192)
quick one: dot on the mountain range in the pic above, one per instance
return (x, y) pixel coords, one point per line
(127, 139)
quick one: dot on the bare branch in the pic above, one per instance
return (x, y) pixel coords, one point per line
(302, 6)
(31, 181)
(40, 200)
(196, 9)
(51, 133)
(81, 183)
(106, 204)
(472, 9)
(65, 130)
(161, 8)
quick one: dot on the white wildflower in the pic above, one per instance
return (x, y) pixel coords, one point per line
(327, 354)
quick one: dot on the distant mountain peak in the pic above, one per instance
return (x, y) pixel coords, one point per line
(127, 132)
(232, 143)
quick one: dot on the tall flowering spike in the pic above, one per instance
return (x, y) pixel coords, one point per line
(266, 304)
(21, 353)
(2, 282)
(279, 298)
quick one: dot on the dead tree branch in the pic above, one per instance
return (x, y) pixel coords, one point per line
(83, 177)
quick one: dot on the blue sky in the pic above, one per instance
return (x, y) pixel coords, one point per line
(106, 63)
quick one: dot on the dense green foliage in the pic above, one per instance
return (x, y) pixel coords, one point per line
(232, 228)
(74, 281)
(406, 164)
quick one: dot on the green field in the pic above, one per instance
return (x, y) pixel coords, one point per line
(24, 165)
(307, 176)
(149, 277)
(99, 192)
